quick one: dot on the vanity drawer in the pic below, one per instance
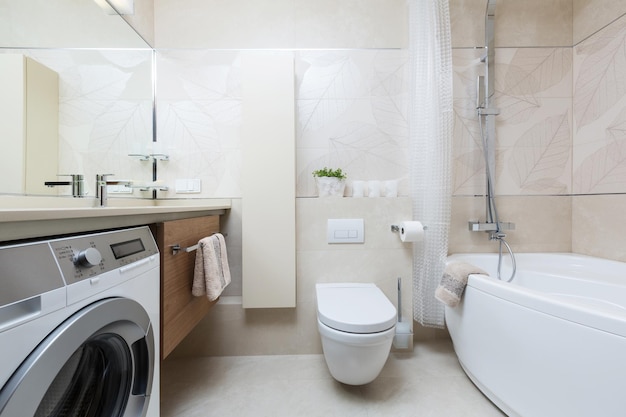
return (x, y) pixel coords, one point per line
(181, 311)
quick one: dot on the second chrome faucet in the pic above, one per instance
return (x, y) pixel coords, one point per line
(101, 187)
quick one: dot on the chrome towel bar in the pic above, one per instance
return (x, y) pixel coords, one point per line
(177, 248)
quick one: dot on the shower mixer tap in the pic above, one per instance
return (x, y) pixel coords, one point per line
(491, 227)
(496, 235)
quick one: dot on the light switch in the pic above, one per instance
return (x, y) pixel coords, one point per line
(119, 189)
(188, 186)
(345, 231)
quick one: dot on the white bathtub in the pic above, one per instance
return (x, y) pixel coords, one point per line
(550, 343)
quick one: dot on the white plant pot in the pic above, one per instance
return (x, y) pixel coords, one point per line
(330, 186)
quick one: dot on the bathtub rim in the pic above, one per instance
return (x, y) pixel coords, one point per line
(604, 318)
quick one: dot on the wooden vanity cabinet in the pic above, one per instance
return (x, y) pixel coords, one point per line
(180, 311)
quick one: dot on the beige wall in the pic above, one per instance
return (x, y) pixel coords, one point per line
(599, 110)
(518, 23)
(533, 79)
(559, 133)
(231, 330)
(543, 224)
(143, 19)
(598, 226)
(589, 16)
(546, 141)
(299, 24)
(351, 112)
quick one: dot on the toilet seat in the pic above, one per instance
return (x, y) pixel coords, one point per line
(354, 308)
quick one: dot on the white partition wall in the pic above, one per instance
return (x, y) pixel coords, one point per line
(268, 180)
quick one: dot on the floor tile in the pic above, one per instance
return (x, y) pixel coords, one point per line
(426, 382)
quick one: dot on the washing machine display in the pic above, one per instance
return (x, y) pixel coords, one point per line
(124, 249)
(94, 354)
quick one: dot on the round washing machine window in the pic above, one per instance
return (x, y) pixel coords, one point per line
(98, 363)
(94, 381)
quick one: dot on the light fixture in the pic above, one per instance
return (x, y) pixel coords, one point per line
(123, 7)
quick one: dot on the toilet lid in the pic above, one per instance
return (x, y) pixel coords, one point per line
(354, 308)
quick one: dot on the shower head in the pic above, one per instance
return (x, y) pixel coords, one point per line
(489, 58)
(490, 16)
(491, 8)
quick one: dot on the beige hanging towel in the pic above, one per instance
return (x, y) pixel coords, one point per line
(211, 273)
(454, 281)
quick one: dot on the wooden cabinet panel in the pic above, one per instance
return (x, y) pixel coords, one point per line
(181, 311)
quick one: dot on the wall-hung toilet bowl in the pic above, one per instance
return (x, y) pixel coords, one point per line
(356, 323)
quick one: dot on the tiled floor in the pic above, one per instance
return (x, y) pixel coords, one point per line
(426, 382)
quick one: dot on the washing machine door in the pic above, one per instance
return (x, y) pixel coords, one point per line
(98, 363)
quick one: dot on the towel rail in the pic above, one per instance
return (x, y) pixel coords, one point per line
(177, 248)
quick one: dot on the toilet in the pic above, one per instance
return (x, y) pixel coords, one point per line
(356, 323)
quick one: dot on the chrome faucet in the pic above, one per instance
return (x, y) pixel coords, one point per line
(77, 183)
(101, 187)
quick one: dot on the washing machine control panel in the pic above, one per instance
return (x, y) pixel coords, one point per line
(83, 257)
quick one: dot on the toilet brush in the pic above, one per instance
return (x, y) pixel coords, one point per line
(404, 337)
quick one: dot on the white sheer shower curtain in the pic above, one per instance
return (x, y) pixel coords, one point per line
(431, 124)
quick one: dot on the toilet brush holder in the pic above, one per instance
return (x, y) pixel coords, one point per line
(403, 339)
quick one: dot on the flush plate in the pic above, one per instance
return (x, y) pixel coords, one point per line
(345, 231)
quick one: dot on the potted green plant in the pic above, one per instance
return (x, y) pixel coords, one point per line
(330, 182)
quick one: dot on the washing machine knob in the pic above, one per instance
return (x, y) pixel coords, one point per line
(88, 257)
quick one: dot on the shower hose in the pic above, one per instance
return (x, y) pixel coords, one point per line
(493, 211)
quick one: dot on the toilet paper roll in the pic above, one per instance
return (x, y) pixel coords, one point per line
(411, 231)
(391, 188)
(358, 188)
(373, 188)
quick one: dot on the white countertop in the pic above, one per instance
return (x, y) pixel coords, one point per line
(31, 217)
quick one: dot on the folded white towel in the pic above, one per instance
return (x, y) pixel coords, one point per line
(453, 282)
(211, 272)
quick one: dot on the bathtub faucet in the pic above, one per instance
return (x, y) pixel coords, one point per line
(496, 235)
(499, 236)
(490, 227)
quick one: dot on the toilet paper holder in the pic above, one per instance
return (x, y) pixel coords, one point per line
(396, 228)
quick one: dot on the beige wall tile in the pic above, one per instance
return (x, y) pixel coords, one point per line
(542, 224)
(584, 224)
(533, 23)
(281, 24)
(378, 214)
(534, 151)
(143, 19)
(518, 23)
(382, 259)
(589, 16)
(351, 24)
(598, 227)
(229, 330)
(467, 21)
(599, 92)
(224, 24)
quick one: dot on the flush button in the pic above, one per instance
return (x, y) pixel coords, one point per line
(345, 231)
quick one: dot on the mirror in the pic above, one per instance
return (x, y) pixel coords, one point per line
(105, 96)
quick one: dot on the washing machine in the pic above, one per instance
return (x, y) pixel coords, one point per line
(79, 326)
